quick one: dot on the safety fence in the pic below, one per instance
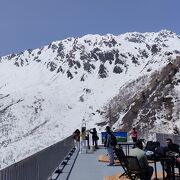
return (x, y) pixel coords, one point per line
(162, 138)
(40, 165)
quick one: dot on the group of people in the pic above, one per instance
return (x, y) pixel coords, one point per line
(82, 139)
(166, 161)
(139, 151)
(110, 147)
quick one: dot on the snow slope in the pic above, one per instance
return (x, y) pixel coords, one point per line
(45, 93)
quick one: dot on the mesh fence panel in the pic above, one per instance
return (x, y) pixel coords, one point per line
(39, 166)
(162, 138)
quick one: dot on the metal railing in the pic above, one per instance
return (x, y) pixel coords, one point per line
(40, 165)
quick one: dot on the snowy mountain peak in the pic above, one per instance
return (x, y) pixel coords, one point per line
(46, 92)
(100, 54)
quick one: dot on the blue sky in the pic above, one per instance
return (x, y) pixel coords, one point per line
(29, 24)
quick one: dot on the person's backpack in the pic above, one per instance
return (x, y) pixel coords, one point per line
(152, 146)
(113, 140)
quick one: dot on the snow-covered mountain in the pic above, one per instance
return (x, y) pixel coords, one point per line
(45, 93)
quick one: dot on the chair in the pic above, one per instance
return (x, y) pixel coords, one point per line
(128, 163)
(133, 167)
(123, 162)
(174, 162)
(122, 159)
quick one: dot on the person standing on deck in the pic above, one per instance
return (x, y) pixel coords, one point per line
(83, 140)
(76, 136)
(133, 133)
(94, 137)
(87, 138)
(108, 146)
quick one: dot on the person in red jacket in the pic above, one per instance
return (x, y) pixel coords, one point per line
(133, 134)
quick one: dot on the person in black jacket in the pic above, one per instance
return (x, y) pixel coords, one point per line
(94, 137)
(171, 151)
(108, 145)
(172, 146)
(76, 136)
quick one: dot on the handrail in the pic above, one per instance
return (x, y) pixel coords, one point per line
(40, 165)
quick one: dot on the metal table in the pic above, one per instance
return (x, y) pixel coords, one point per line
(127, 146)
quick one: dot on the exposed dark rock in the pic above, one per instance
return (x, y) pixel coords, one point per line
(35, 58)
(155, 49)
(101, 57)
(158, 40)
(85, 56)
(136, 38)
(29, 51)
(117, 70)
(78, 64)
(19, 54)
(177, 52)
(95, 50)
(118, 61)
(11, 56)
(51, 66)
(164, 45)
(135, 60)
(81, 98)
(16, 63)
(94, 56)
(54, 46)
(88, 67)
(102, 71)
(144, 54)
(82, 77)
(109, 56)
(113, 42)
(70, 62)
(168, 53)
(38, 60)
(60, 69)
(69, 75)
(123, 55)
(60, 53)
(148, 46)
(110, 43)
(22, 62)
(87, 90)
(176, 130)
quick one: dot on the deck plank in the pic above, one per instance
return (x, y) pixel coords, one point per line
(87, 167)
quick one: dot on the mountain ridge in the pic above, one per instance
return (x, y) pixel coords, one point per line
(46, 92)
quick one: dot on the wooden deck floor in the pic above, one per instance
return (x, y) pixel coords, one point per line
(93, 166)
(116, 177)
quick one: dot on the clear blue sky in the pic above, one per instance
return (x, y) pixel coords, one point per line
(29, 24)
